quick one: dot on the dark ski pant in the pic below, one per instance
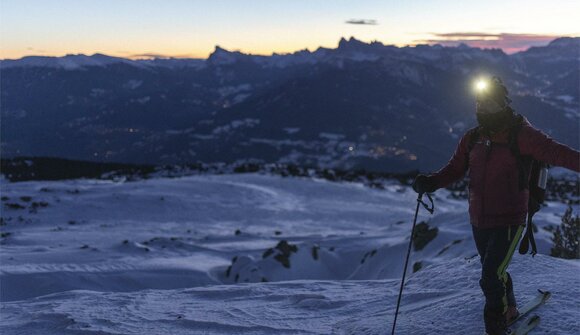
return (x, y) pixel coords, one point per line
(496, 247)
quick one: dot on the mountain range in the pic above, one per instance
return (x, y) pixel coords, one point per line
(360, 105)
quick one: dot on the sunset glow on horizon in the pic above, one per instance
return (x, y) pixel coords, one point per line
(192, 29)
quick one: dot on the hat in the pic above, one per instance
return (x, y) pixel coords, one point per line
(496, 91)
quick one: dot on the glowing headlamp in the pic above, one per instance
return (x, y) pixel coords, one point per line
(491, 96)
(481, 85)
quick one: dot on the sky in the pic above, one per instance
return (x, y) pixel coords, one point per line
(192, 28)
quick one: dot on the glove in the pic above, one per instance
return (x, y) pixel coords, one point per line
(424, 184)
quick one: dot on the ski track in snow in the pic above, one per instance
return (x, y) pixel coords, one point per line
(150, 257)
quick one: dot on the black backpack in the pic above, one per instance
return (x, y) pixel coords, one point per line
(527, 166)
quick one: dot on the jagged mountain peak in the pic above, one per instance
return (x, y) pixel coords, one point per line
(221, 56)
(568, 47)
(303, 52)
(218, 50)
(463, 46)
(565, 42)
(351, 44)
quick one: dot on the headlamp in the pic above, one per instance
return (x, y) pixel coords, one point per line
(481, 85)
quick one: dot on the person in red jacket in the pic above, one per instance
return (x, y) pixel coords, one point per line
(497, 204)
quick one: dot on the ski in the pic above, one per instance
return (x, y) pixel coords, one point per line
(527, 326)
(529, 306)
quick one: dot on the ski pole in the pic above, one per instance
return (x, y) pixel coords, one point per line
(419, 201)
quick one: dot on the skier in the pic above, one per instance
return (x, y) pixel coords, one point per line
(497, 205)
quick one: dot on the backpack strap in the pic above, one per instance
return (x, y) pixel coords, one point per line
(523, 162)
(472, 137)
(524, 165)
(528, 238)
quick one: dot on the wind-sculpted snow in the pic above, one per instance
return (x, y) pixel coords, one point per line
(442, 298)
(251, 254)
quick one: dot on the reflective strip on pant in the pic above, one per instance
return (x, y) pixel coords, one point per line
(501, 271)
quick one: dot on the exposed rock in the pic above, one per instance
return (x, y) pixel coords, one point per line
(423, 235)
(417, 266)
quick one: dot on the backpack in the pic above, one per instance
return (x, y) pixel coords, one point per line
(527, 166)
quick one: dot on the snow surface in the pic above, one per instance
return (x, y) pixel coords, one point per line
(157, 257)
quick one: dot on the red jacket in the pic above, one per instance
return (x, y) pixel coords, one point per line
(495, 199)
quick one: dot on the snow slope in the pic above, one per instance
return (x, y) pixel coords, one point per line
(190, 255)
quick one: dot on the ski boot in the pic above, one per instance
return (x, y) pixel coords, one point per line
(495, 322)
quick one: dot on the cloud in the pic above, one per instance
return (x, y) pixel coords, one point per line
(151, 55)
(362, 21)
(36, 51)
(509, 43)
